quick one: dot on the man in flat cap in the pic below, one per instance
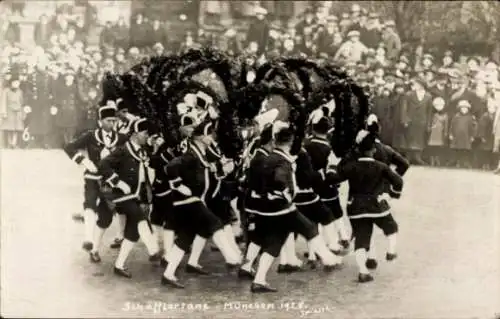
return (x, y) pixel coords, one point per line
(352, 50)
(371, 34)
(391, 40)
(259, 30)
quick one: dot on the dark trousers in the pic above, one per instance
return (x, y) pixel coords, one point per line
(96, 200)
(135, 213)
(274, 230)
(193, 219)
(362, 229)
(161, 215)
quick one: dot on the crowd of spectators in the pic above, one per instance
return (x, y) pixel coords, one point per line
(441, 108)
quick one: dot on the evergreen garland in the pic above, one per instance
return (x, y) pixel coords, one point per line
(155, 86)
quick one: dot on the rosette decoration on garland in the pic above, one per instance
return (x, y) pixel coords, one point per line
(163, 88)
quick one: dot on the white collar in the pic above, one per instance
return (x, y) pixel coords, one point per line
(136, 146)
(286, 155)
(366, 159)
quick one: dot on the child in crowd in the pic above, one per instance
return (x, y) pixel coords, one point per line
(462, 134)
(485, 156)
(438, 131)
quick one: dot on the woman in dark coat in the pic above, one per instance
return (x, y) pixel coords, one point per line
(416, 112)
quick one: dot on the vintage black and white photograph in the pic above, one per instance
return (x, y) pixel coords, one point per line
(249, 159)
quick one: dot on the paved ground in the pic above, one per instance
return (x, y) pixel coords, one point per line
(449, 265)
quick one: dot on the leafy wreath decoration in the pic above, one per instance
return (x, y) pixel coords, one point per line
(155, 86)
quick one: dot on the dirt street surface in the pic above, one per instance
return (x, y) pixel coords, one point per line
(448, 265)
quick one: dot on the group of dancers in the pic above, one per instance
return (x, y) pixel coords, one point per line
(176, 198)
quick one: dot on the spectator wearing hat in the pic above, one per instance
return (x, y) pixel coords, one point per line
(157, 33)
(107, 37)
(462, 133)
(42, 31)
(37, 97)
(485, 136)
(438, 133)
(384, 110)
(121, 32)
(325, 37)
(258, 31)
(11, 112)
(464, 92)
(391, 40)
(355, 19)
(66, 115)
(307, 21)
(352, 50)
(138, 32)
(371, 34)
(415, 115)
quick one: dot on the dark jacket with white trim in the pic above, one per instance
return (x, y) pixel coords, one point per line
(159, 162)
(94, 143)
(367, 181)
(193, 171)
(386, 154)
(307, 179)
(130, 165)
(319, 150)
(275, 195)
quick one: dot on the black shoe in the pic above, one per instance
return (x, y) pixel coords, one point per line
(259, 288)
(362, 278)
(88, 246)
(155, 257)
(306, 255)
(371, 263)
(163, 263)
(390, 257)
(94, 257)
(312, 264)
(122, 272)
(117, 243)
(344, 243)
(331, 268)
(196, 270)
(77, 217)
(282, 268)
(214, 248)
(171, 283)
(244, 274)
(231, 267)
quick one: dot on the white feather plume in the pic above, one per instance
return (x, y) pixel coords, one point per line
(372, 118)
(316, 116)
(331, 105)
(361, 136)
(267, 117)
(278, 126)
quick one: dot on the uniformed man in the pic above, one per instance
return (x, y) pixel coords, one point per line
(98, 144)
(276, 215)
(389, 226)
(190, 176)
(125, 118)
(319, 149)
(127, 172)
(366, 204)
(161, 216)
(253, 182)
